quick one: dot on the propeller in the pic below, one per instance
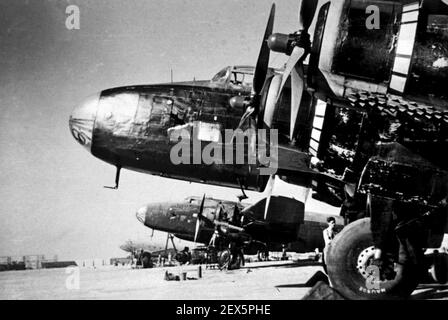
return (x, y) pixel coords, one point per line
(252, 103)
(297, 46)
(268, 191)
(261, 67)
(306, 14)
(198, 220)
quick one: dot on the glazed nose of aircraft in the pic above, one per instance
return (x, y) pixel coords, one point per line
(141, 214)
(82, 120)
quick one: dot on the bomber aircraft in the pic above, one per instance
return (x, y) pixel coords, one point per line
(359, 115)
(198, 220)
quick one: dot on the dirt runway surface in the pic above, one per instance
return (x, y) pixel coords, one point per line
(256, 281)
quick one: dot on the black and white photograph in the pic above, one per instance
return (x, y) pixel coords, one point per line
(250, 151)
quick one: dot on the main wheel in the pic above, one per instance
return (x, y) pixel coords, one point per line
(237, 259)
(224, 258)
(349, 261)
(439, 268)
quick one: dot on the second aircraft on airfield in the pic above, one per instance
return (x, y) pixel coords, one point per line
(197, 219)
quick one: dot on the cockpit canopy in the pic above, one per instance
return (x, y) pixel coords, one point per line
(235, 75)
(193, 200)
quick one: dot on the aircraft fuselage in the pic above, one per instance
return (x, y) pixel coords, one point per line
(129, 127)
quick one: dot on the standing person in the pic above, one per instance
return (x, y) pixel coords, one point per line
(329, 232)
(184, 257)
(139, 263)
(284, 255)
(328, 235)
(213, 239)
(266, 254)
(236, 256)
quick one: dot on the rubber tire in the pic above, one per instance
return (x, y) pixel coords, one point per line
(341, 261)
(224, 258)
(235, 262)
(439, 270)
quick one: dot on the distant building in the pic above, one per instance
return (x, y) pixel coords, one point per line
(35, 261)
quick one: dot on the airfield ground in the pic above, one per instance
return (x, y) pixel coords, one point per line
(260, 280)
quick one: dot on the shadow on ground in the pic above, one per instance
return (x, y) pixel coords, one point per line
(295, 264)
(432, 291)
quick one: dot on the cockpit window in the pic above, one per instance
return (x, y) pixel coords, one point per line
(221, 76)
(235, 76)
(248, 79)
(193, 200)
(240, 78)
(161, 110)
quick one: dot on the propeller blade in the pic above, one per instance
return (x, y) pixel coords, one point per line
(243, 120)
(268, 192)
(196, 231)
(246, 116)
(271, 99)
(202, 206)
(253, 138)
(296, 54)
(198, 220)
(306, 14)
(261, 68)
(297, 86)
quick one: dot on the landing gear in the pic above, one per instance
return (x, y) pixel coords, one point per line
(224, 258)
(230, 261)
(355, 273)
(439, 268)
(229, 258)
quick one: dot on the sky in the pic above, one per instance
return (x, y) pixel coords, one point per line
(52, 195)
